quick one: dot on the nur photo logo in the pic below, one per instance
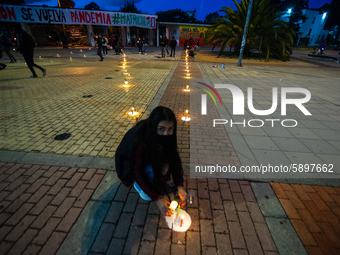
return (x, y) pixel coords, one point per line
(204, 98)
(239, 104)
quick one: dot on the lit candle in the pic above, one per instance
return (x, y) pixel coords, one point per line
(71, 52)
(70, 58)
(39, 56)
(188, 74)
(81, 50)
(187, 86)
(173, 205)
(84, 56)
(133, 112)
(57, 55)
(178, 208)
(181, 221)
(186, 112)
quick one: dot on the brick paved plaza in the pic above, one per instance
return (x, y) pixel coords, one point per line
(64, 197)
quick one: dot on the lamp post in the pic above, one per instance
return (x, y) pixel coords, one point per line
(245, 33)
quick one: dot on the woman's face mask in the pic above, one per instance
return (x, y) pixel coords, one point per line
(164, 140)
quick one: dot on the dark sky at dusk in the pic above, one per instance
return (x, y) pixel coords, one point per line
(203, 7)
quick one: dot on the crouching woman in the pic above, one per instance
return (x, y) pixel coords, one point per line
(148, 158)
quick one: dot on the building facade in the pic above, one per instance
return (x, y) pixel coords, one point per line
(312, 30)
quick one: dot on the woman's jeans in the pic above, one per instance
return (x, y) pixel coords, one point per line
(150, 176)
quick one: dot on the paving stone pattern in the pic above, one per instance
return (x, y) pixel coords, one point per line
(32, 114)
(40, 204)
(314, 211)
(206, 140)
(225, 220)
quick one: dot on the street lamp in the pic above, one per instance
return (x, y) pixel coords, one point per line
(289, 10)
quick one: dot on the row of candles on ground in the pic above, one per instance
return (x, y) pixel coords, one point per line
(58, 56)
(187, 89)
(126, 85)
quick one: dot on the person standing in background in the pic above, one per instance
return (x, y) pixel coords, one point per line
(104, 42)
(100, 47)
(6, 44)
(166, 41)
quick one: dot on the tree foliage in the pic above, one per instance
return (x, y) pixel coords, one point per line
(67, 4)
(177, 15)
(266, 32)
(210, 17)
(129, 7)
(92, 6)
(296, 15)
(333, 11)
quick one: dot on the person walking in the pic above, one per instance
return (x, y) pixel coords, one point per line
(173, 44)
(6, 44)
(104, 42)
(100, 47)
(26, 46)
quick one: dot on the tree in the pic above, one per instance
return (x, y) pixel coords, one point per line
(92, 6)
(210, 17)
(177, 15)
(266, 31)
(129, 7)
(67, 4)
(13, 2)
(296, 15)
(333, 11)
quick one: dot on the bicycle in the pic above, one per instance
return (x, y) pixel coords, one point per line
(316, 52)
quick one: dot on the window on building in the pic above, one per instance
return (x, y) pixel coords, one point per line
(313, 20)
(310, 31)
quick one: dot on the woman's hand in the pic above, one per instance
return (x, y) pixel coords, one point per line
(163, 206)
(183, 195)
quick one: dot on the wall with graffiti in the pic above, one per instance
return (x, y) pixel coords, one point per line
(196, 32)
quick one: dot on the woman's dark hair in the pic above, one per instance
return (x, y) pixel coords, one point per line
(156, 153)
